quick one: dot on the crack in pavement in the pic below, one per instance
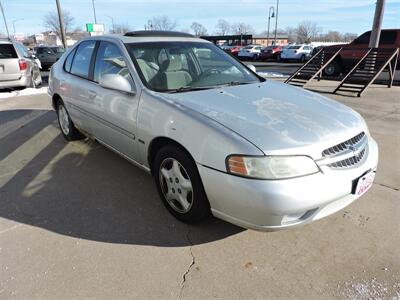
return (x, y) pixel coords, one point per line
(193, 262)
(387, 186)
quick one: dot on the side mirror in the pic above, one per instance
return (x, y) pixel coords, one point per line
(117, 82)
(253, 68)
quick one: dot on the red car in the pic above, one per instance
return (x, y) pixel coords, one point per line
(235, 50)
(353, 52)
(271, 52)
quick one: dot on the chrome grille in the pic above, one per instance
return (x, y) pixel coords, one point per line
(343, 146)
(349, 162)
(346, 154)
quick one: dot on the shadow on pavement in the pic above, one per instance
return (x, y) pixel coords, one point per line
(84, 190)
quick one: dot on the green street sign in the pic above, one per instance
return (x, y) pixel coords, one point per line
(89, 27)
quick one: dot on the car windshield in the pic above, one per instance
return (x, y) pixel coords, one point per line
(294, 47)
(185, 66)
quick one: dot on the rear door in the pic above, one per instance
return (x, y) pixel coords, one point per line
(9, 66)
(75, 84)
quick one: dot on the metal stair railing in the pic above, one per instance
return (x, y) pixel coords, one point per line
(370, 66)
(313, 67)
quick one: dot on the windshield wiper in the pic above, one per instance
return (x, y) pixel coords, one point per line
(232, 83)
(190, 88)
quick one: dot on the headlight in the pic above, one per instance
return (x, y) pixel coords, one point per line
(271, 167)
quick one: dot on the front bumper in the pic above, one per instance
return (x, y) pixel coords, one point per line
(277, 204)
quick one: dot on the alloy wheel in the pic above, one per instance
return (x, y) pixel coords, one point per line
(63, 119)
(176, 185)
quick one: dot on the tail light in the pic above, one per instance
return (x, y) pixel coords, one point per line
(22, 65)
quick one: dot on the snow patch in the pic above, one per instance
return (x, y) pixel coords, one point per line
(24, 92)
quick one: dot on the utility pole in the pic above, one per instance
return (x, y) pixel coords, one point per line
(376, 26)
(94, 12)
(4, 18)
(62, 28)
(276, 18)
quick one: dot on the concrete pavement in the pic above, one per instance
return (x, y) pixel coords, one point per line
(78, 221)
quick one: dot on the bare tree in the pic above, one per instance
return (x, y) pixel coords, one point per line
(349, 37)
(333, 36)
(223, 27)
(242, 28)
(198, 29)
(51, 22)
(162, 22)
(121, 28)
(307, 31)
(292, 34)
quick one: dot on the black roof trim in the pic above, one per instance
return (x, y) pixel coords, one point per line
(157, 33)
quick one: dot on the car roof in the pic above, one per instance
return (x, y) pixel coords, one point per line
(150, 36)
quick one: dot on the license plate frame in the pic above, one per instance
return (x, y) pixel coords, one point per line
(364, 183)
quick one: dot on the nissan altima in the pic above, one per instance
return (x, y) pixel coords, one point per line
(217, 138)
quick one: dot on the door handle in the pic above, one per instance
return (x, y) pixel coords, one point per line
(92, 94)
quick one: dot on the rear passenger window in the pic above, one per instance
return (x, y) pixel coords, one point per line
(68, 61)
(109, 60)
(387, 37)
(83, 55)
(7, 51)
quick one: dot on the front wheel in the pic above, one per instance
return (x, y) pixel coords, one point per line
(333, 69)
(303, 58)
(179, 185)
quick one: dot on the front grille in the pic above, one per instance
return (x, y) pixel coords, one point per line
(339, 156)
(349, 162)
(343, 146)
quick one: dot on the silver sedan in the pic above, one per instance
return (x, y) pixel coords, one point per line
(217, 138)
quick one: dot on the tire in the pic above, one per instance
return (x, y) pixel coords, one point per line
(333, 69)
(278, 57)
(176, 177)
(303, 58)
(254, 57)
(67, 127)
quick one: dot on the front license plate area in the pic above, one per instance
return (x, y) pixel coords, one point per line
(364, 183)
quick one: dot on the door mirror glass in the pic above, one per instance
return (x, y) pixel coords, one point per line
(252, 67)
(117, 82)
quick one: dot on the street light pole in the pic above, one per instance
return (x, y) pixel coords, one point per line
(269, 20)
(61, 20)
(276, 18)
(376, 26)
(4, 18)
(94, 12)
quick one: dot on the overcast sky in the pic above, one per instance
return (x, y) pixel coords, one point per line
(342, 15)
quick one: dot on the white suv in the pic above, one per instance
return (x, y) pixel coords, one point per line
(296, 52)
(250, 51)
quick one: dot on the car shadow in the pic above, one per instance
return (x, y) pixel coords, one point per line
(84, 190)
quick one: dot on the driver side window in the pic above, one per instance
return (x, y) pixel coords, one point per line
(109, 60)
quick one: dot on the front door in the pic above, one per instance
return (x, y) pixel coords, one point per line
(114, 112)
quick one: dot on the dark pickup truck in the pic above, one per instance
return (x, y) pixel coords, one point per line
(353, 52)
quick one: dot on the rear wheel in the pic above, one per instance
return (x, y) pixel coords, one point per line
(67, 127)
(179, 185)
(333, 69)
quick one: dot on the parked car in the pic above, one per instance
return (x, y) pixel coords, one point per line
(296, 52)
(353, 52)
(235, 50)
(216, 137)
(250, 52)
(271, 52)
(48, 55)
(18, 68)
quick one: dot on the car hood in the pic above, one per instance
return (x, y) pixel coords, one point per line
(276, 117)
